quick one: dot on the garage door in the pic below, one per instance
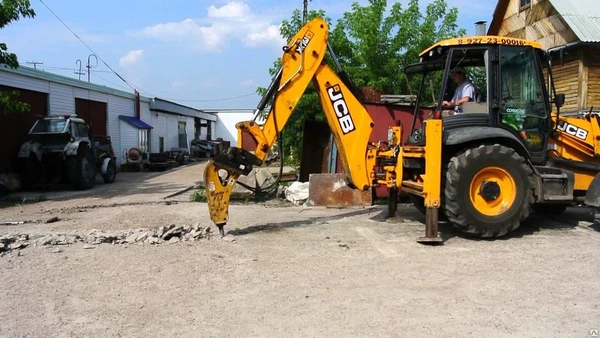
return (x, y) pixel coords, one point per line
(94, 113)
(14, 127)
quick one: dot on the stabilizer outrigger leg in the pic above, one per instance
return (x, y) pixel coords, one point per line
(392, 215)
(431, 228)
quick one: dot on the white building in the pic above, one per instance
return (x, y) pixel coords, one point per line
(130, 120)
(176, 125)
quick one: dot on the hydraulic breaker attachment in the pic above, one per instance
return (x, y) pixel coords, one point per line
(237, 160)
(221, 174)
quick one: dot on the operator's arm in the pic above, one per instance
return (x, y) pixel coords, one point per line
(468, 93)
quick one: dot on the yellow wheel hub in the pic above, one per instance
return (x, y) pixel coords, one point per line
(493, 191)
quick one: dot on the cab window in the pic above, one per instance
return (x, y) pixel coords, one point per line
(522, 101)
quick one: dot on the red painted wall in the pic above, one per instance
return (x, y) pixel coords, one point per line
(385, 116)
(14, 127)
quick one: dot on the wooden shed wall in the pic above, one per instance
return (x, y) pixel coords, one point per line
(566, 80)
(540, 22)
(592, 63)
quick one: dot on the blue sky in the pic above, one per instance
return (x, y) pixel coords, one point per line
(198, 53)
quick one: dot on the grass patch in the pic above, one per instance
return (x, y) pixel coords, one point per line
(199, 196)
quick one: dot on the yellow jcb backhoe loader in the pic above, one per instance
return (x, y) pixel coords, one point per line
(487, 164)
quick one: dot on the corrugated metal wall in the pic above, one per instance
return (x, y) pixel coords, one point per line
(159, 122)
(24, 82)
(90, 95)
(171, 138)
(128, 137)
(62, 100)
(118, 106)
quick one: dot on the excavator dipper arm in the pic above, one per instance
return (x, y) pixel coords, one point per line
(350, 123)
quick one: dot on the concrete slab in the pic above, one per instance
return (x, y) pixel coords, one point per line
(128, 186)
(332, 190)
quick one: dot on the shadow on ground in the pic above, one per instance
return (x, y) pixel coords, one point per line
(126, 184)
(308, 221)
(568, 220)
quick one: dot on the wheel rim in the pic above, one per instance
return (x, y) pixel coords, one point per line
(493, 191)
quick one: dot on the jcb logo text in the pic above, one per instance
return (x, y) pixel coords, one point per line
(341, 109)
(304, 42)
(572, 130)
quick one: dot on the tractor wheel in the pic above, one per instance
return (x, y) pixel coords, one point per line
(488, 191)
(82, 170)
(28, 172)
(111, 172)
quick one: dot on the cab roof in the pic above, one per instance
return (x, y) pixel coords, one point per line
(483, 40)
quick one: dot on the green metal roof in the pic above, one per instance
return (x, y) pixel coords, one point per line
(582, 16)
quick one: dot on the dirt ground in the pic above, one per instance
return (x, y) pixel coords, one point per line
(290, 271)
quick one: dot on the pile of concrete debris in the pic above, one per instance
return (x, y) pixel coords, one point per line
(164, 234)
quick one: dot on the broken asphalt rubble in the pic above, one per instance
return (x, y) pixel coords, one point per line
(161, 235)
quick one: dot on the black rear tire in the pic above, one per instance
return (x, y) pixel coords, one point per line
(82, 169)
(500, 203)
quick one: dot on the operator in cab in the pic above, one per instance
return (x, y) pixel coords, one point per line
(465, 92)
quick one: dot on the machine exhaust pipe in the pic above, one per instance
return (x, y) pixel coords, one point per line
(480, 28)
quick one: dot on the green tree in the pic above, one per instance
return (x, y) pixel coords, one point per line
(375, 47)
(372, 46)
(12, 10)
(309, 107)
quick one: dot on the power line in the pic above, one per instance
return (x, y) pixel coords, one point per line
(107, 81)
(59, 19)
(55, 68)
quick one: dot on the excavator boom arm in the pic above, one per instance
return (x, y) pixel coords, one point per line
(350, 123)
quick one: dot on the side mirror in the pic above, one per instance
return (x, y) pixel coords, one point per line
(559, 100)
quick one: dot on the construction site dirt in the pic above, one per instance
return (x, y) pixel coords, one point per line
(154, 267)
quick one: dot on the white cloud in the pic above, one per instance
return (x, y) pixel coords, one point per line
(234, 9)
(131, 58)
(234, 20)
(248, 82)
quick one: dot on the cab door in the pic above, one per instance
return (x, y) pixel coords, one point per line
(523, 108)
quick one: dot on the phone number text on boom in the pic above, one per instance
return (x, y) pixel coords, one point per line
(504, 41)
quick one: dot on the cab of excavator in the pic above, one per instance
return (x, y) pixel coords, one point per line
(503, 78)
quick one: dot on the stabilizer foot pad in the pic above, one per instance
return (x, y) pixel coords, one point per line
(430, 240)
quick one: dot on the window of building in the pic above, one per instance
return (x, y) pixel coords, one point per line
(525, 4)
(143, 140)
(181, 127)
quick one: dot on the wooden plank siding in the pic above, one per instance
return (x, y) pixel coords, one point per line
(566, 81)
(578, 74)
(539, 22)
(592, 64)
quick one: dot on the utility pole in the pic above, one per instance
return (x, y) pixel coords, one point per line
(90, 66)
(305, 11)
(35, 63)
(79, 72)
